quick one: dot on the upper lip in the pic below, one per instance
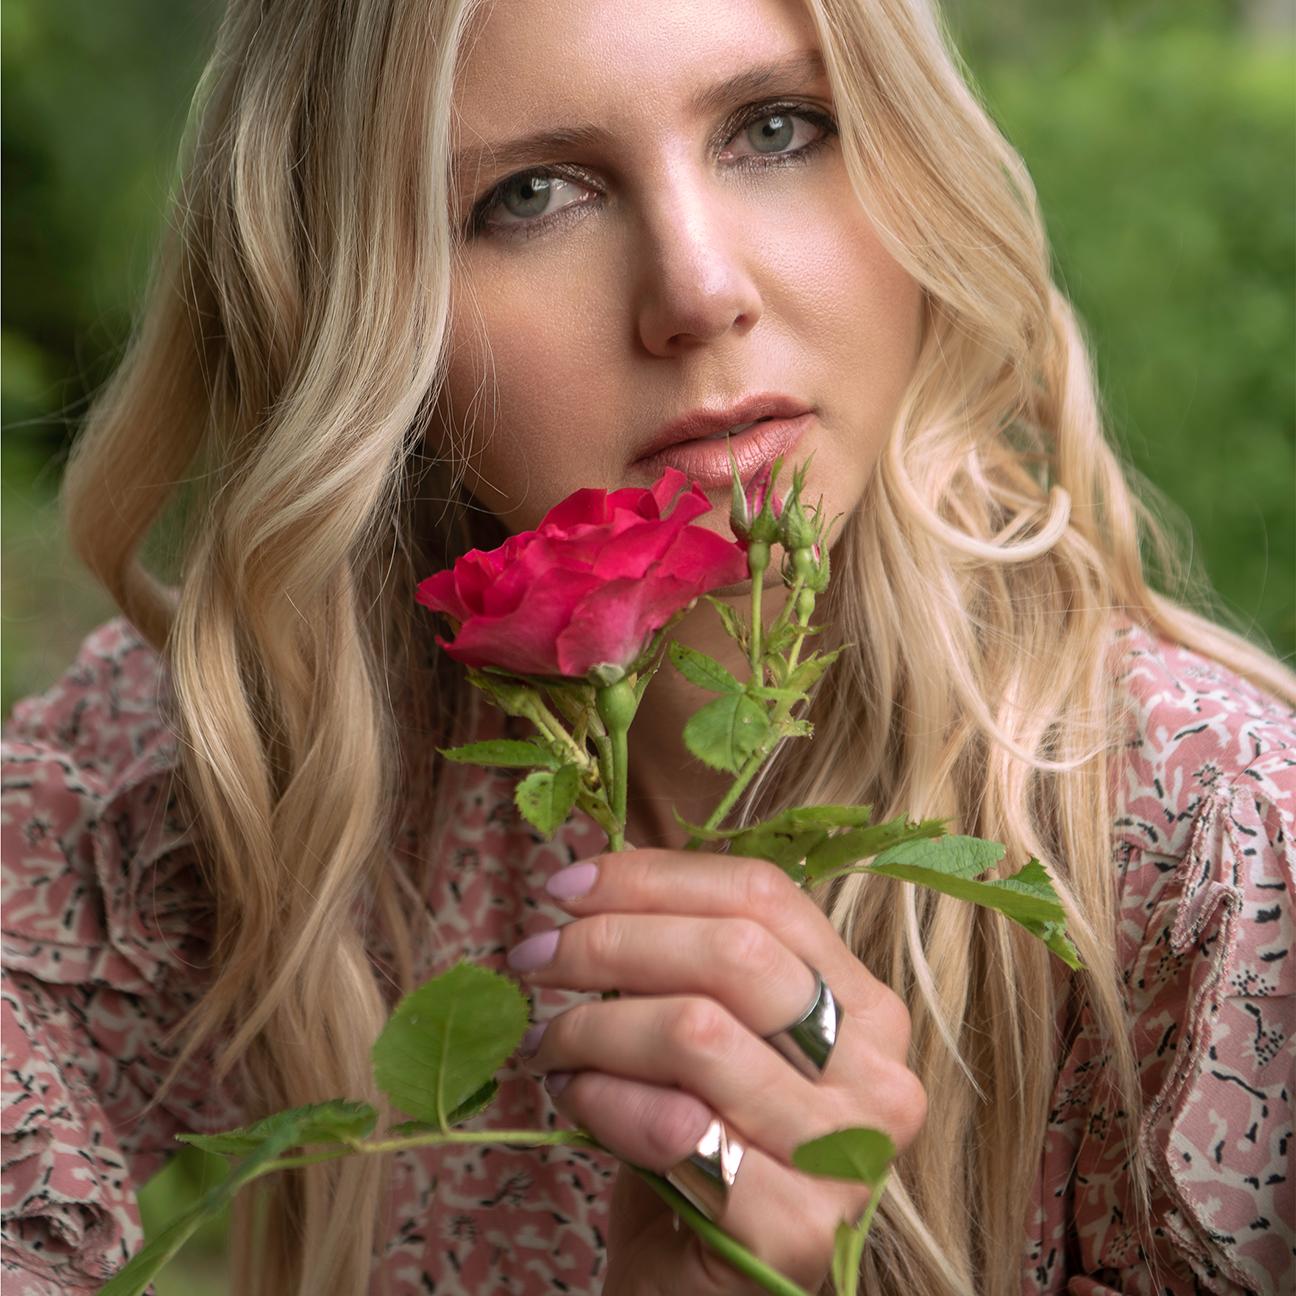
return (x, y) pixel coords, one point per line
(708, 420)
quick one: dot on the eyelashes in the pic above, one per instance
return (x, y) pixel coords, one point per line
(480, 225)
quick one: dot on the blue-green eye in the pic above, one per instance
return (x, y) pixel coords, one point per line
(526, 195)
(771, 134)
(778, 133)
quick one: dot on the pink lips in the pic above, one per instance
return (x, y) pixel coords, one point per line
(696, 443)
(707, 462)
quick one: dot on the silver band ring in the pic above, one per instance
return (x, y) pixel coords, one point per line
(808, 1043)
(706, 1176)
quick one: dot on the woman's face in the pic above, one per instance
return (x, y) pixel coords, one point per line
(678, 244)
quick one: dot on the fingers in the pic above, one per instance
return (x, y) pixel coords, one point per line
(710, 886)
(698, 1046)
(735, 961)
(656, 1128)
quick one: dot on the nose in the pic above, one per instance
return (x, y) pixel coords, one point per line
(695, 280)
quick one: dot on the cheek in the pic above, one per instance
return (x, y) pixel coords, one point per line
(849, 294)
(521, 403)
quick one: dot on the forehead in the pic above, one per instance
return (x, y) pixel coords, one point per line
(531, 64)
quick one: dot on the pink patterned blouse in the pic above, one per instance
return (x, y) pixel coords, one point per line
(104, 923)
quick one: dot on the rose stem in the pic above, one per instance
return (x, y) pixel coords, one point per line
(720, 1241)
(733, 1251)
(758, 556)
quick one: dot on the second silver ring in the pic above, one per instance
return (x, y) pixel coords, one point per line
(808, 1043)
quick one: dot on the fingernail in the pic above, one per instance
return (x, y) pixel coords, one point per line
(534, 952)
(557, 1081)
(531, 1040)
(573, 881)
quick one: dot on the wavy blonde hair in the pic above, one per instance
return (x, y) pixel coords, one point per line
(283, 377)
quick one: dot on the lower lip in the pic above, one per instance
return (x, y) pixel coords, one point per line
(707, 462)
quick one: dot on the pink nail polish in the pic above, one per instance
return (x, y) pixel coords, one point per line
(573, 881)
(531, 1040)
(534, 952)
(557, 1081)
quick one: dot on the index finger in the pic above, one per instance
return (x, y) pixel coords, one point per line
(707, 885)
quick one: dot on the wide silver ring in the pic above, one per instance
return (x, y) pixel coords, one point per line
(808, 1043)
(706, 1176)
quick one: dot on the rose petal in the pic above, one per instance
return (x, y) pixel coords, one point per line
(705, 561)
(614, 623)
(667, 487)
(524, 640)
(581, 508)
(438, 593)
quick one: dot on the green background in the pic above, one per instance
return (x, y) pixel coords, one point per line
(1162, 138)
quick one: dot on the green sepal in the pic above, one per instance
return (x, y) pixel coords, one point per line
(704, 671)
(445, 1040)
(725, 732)
(735, 626)
(338, 1121)
(545, 798)
(513, 696)
(506, 753)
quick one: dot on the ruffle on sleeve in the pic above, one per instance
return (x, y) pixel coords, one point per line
(70, 1218)
(1218, 1133)
(105, 924)
(1211, 987)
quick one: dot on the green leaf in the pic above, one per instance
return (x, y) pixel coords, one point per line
(961, 857)
(763, 693)
(283, 1131)
(787, 821)
(724, 733)
(735, 627)
(330, 1122)
(863, 1155)
(505, 752)
(704, 671)
(546, 797)
(840, 852)
(472, 1106)
(807, 674)
(848, 1248)
(825, 816)
(787, 850)
(444, 1041)
(948, 866)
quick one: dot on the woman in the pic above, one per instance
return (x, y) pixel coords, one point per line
(389, 325)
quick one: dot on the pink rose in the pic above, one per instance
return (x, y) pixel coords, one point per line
(590, 586)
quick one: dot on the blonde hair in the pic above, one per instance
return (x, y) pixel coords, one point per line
(283, 376)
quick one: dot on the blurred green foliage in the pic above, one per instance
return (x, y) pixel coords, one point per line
(1163, 154)
(1160, 134)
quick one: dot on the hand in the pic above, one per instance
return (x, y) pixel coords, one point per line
(711, 954)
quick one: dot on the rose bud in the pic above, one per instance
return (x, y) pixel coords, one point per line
(755, 509)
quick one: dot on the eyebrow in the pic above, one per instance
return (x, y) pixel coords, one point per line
(749, 84)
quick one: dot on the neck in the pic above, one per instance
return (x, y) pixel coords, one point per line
(664, 775)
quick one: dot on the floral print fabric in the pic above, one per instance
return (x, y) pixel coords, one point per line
(105, 926)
